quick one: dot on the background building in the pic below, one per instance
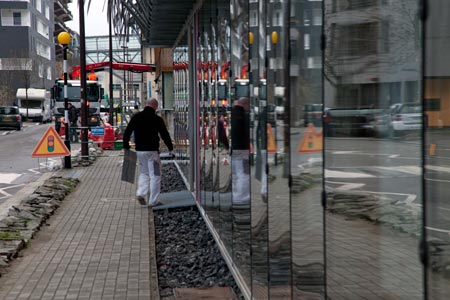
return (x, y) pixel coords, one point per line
(28, 58)
(129, 88)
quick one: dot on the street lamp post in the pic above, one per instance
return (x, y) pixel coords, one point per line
(83, 85)
(125, 90)
(111, 96)
(64, 40)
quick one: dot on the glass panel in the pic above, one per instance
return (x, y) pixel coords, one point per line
(223, 124)
(207, 121)
(181, 95)
(306, 138)
(214, 116)
(202, 86)
(240, 142)
(277, 130)
(258, 152)
(437, 110)
(372, 152)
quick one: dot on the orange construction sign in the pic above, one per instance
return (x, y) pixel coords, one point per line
(271, 146)
(50, 145)
(312, 140)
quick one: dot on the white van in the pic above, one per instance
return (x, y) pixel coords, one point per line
(35, 104)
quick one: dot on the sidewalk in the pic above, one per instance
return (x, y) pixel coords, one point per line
(98, 245)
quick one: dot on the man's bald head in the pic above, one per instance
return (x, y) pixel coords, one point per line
(152, 102)
(244, 102)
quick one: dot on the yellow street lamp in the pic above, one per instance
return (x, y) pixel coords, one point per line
(64, 38)
(274, 37)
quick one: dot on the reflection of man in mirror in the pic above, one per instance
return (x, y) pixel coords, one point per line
(240, 145)
(222, 134)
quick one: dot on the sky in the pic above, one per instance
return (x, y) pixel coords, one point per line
(95, 21)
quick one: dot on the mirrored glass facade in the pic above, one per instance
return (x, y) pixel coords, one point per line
(313, 136)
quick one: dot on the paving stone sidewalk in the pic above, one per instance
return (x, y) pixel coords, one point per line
(98, 245)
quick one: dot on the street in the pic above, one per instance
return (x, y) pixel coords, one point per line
(18, 167)
(387, 167)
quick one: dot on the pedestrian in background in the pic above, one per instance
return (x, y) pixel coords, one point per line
(148, 127)
(135, 110)
(73, 119)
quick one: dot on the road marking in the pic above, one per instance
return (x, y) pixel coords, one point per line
(438, 230)
(6, 194)
(340, 174)
(372, 154)
(346, 152)
(414, 170)
(8, 178)
(437, 168)
(437, 180)
(34, 171)
(347, 186)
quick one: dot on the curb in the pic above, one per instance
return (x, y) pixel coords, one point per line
(26, 191)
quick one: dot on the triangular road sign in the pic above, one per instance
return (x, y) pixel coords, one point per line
(311, 141)
(50, 145)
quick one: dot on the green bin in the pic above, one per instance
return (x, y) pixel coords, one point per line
(118, 145)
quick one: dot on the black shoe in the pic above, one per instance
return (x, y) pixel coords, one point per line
(157, 203)
(141, 200)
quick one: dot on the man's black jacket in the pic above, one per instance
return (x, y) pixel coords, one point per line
(146, 126)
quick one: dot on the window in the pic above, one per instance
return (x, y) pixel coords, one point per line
(253, 18)
(17, 19)
(357, 39)
(306, 17)
(49, 73)
(307, 41)
(433, 104)
(47, 12)
(277, 19)
(41, 71)
(314, 62)
(39, 5)
(356, 4)
(317, 17)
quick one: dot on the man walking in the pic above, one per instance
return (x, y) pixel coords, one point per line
(147, 128)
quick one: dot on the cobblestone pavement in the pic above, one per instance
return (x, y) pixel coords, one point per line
(96, 246)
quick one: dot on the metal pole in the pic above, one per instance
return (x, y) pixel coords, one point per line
(84, 112)
(67, 159)
(124, 84)
(111, 98)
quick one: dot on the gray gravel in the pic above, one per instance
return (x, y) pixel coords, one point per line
(187, 255)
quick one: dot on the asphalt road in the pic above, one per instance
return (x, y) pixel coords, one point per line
(17, 166)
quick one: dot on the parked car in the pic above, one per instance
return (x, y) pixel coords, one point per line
(312, 113)
(356, 121)
(407, 118)
(10, 117)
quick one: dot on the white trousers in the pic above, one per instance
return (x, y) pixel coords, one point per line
(240, 166)
(150, 175)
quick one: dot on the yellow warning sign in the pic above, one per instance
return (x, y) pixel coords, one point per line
(271, 146)
(311, 141)
(50, 145)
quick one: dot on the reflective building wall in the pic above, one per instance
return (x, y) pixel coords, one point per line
(314, 137)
